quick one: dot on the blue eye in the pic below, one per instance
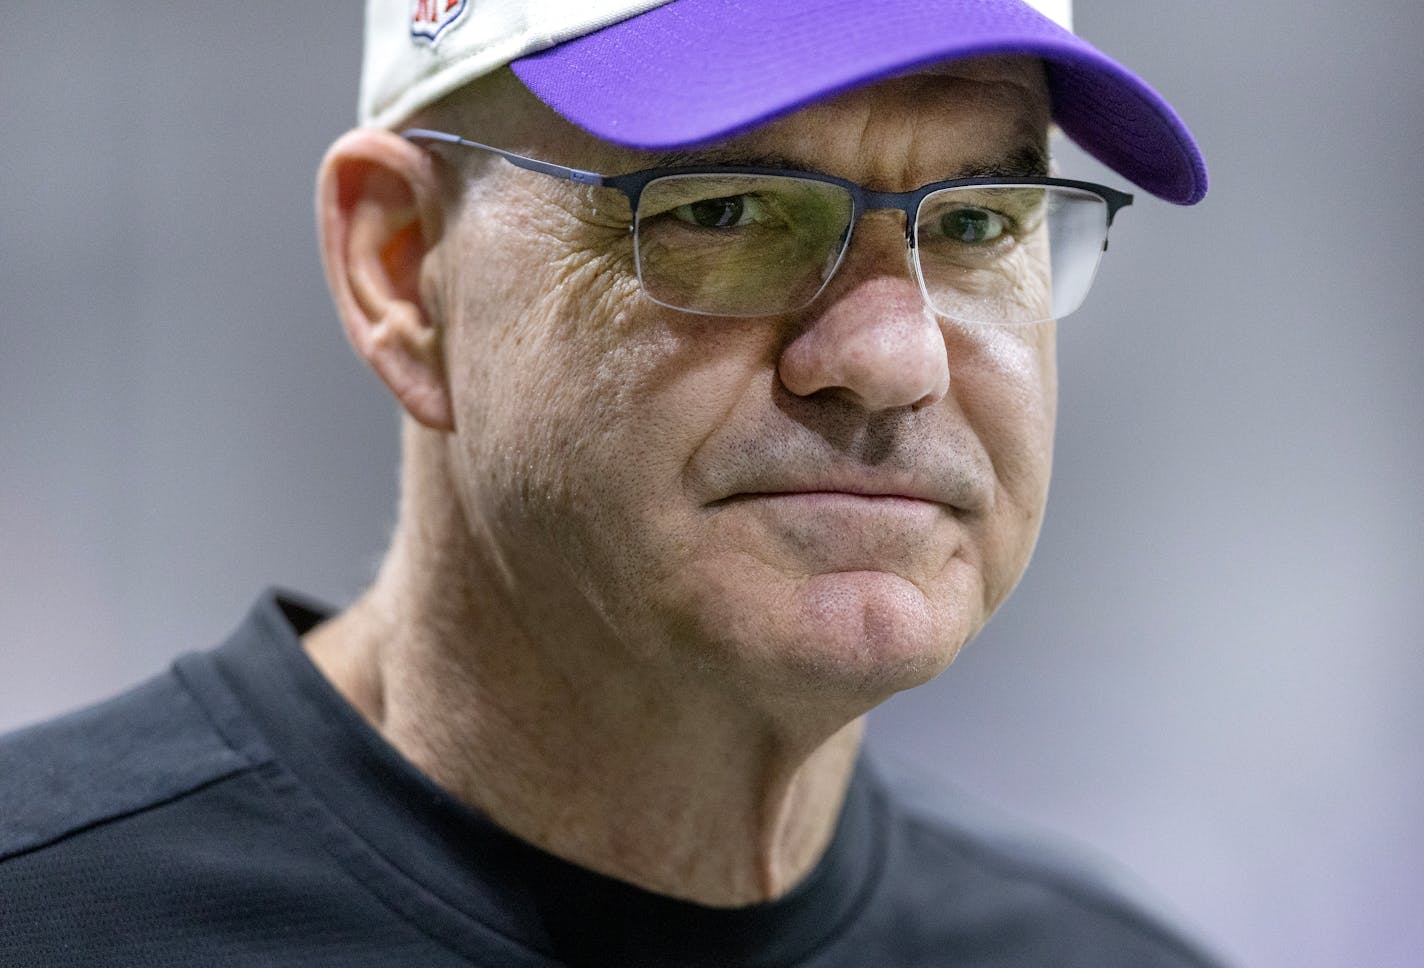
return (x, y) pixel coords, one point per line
(972, 225)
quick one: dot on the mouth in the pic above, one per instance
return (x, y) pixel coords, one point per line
(820, 529)
(848, 494)
(874, 516)
(831, 496)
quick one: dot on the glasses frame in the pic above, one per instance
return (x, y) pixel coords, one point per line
(863, 199)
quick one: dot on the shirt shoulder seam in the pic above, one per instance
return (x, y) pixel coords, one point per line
(118, 816)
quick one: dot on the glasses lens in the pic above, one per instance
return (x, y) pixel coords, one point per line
(1009, 254)
(739, 245)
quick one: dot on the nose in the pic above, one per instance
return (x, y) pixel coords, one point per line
(870, 339)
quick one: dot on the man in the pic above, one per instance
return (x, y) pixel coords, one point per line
(725, 338)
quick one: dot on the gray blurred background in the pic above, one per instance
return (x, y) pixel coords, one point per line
(1212, 671)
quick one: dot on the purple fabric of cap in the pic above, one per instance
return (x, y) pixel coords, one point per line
(694, 71)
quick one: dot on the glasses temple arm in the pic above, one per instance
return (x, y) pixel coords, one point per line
(532, 164)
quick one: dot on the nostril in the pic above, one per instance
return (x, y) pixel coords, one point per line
(939, 391)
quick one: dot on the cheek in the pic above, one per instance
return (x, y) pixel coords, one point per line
(530, 317)
(523, 356)
(579, 405)
(647, 407)
(1005, 381)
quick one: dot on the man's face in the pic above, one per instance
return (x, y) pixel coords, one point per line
(792, 505)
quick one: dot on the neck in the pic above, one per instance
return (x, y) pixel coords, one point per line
(620, 765)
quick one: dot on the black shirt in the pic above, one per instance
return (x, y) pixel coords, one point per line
(237, 811)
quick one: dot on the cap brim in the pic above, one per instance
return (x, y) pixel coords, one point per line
(694, 71)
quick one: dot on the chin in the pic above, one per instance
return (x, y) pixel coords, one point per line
(845, 640)
(878, 631)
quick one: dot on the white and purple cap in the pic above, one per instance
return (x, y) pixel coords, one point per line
(666, 74)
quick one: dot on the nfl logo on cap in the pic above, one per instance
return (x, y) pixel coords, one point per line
(429, 18)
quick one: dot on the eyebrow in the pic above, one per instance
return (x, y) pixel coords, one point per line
(1027, 161)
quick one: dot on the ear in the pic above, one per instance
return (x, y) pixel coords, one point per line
(379, 214)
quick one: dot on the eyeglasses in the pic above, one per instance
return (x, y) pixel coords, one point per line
(735, 241)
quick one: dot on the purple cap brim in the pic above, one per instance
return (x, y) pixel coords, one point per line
(694, 71)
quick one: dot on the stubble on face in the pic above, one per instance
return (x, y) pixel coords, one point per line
(645, 478)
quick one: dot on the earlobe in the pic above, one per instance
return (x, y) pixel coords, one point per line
(378, 211)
